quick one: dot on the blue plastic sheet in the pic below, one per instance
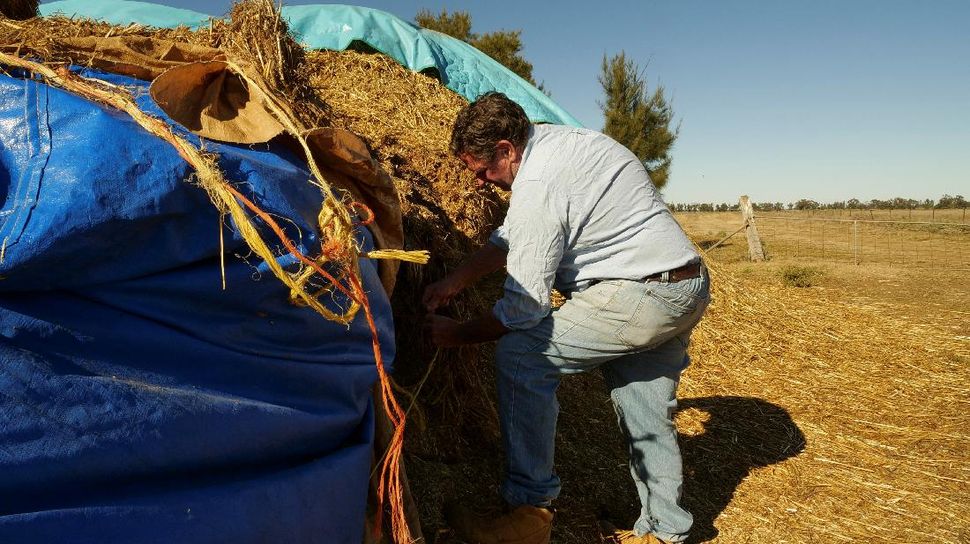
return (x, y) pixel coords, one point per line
(139, 401)
(461, 67)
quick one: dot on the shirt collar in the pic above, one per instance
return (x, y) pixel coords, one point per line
(526, 151)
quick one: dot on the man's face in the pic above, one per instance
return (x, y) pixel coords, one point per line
(500, 171)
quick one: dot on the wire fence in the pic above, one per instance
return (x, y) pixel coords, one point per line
(867, 241)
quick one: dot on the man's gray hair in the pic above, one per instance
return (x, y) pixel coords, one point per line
(491, 118)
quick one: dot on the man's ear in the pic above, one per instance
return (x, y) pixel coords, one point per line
(507, 148)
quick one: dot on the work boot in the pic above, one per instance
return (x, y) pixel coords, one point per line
(611, 535)
(520, 525)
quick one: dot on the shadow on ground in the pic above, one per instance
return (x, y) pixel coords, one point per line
(723, 438)
(740, 434)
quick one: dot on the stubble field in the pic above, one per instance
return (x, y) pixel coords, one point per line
(836, 412)
(919, 272)
(868, 365)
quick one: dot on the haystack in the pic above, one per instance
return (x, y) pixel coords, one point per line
(804, 417)
(403, 117)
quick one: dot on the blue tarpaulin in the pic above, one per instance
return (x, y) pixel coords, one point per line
(461, 67)
(139, 401)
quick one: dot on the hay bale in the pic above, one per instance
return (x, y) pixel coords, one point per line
(405, 118)
(804, 416)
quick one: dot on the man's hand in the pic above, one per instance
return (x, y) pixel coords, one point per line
(444, 331)
(440, 293)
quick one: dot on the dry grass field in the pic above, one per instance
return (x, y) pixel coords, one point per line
(922, 238)
(868, 364)
(836, 412)
(933, 216)
(921, 273)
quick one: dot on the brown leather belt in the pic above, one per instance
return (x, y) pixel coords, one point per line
(685, 272)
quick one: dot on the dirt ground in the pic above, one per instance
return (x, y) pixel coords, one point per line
(830, 413)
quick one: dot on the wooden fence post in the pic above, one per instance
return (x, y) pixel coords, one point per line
(755, 249)
(855, 240)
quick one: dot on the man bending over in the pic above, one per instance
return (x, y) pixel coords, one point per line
(585, 219)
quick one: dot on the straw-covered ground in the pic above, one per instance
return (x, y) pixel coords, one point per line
(804, 418)
(808, 415)
(880, 402)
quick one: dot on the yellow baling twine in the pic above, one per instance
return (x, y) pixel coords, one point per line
(339, 248)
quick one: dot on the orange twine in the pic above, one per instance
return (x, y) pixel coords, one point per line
(389, 486)
(368, 218)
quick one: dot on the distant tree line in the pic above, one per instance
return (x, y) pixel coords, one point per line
(898, 203)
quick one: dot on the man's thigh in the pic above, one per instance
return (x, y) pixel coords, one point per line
(608, 320)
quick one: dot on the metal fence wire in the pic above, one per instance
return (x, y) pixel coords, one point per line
(895, 243)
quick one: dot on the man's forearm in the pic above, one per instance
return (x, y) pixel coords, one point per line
(448, 333)
(483, 262)
(482, 329)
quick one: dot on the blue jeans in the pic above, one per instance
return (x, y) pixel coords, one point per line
(637, 333)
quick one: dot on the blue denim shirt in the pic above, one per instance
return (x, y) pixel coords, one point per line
(582, 209)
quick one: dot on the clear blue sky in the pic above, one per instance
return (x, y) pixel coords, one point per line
(781, 100)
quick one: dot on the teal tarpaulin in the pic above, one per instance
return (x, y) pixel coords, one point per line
(461, 67)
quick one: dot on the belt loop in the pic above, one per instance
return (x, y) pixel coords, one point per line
(665, 277)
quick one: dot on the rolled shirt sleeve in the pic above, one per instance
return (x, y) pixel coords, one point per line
(499, 238)
(536, 236)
